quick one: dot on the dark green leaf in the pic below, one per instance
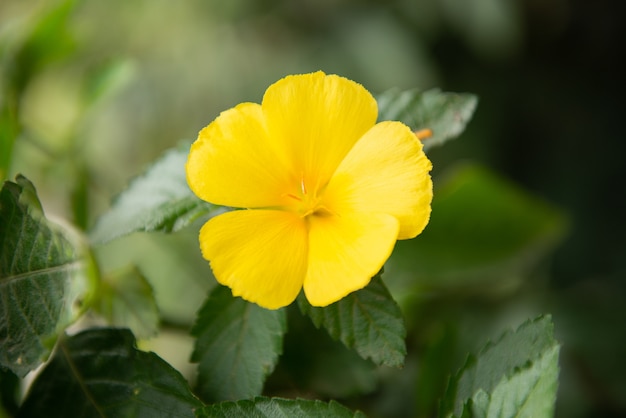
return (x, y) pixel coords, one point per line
(446, 114)
(9, 393)
(482, 228)
(100, 373)
(237, 346)
(313, 362)
(262, 407)
(126, 300)
(46, 274)
(368, 320)
(158, 200)
(515, 377)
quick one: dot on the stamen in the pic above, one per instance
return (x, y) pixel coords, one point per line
(293, 196)
(303, 186)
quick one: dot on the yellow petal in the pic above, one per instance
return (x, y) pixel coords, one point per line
(345, 252)
(386, 171)
(233, 163)
(260, 254)
(317, 118)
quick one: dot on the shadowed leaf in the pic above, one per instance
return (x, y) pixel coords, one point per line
(368, 320)
(126, 300)
(100, 373)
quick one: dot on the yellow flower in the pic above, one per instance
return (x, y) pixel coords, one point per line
(326, 191)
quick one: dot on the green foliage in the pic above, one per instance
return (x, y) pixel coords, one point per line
(9, 128)
(262, 407)
(100, 373)
(368, 320)
(445, 114)
(237, 346)
(48, 40)
(45, 278)
(158, 200)
(482, 229)
(9, 393)
(515, 377)
(126, 300)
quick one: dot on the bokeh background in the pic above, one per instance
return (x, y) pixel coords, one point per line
(106, 87)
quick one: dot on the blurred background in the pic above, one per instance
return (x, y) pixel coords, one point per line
(94, 91)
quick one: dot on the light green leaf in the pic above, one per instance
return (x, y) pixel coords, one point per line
(126, 300)
(368, 320)
(262, 407)
(515, 377)
(237, 346)
(482, 228)
(46, 275)
(100, 373)
(9, 130)
(445, 114)
(158, 200)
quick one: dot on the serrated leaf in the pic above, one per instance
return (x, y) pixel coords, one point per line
(368, 320)
(126, 300)
(445, 114)
(262, 407)
(46, 274)
(158, 200)
(515, 377)
(100, 373)
(237, 346)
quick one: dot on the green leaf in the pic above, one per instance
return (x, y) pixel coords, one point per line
(368, 320)
(446, 114)
(515, 377)
(482, 228)
(173, 265)
(237, 346)
(313, 362)
(158, 200)
(46, 275)
(262, 407)
(47, 41)
(126, 300)
(100, 373)
(9, 130)
(9, 393)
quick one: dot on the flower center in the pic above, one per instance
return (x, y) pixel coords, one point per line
(308, 202)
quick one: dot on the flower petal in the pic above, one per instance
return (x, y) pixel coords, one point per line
(317, 118)
(345, 252)
(260, 254)
(233, 163)
(386, 171)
